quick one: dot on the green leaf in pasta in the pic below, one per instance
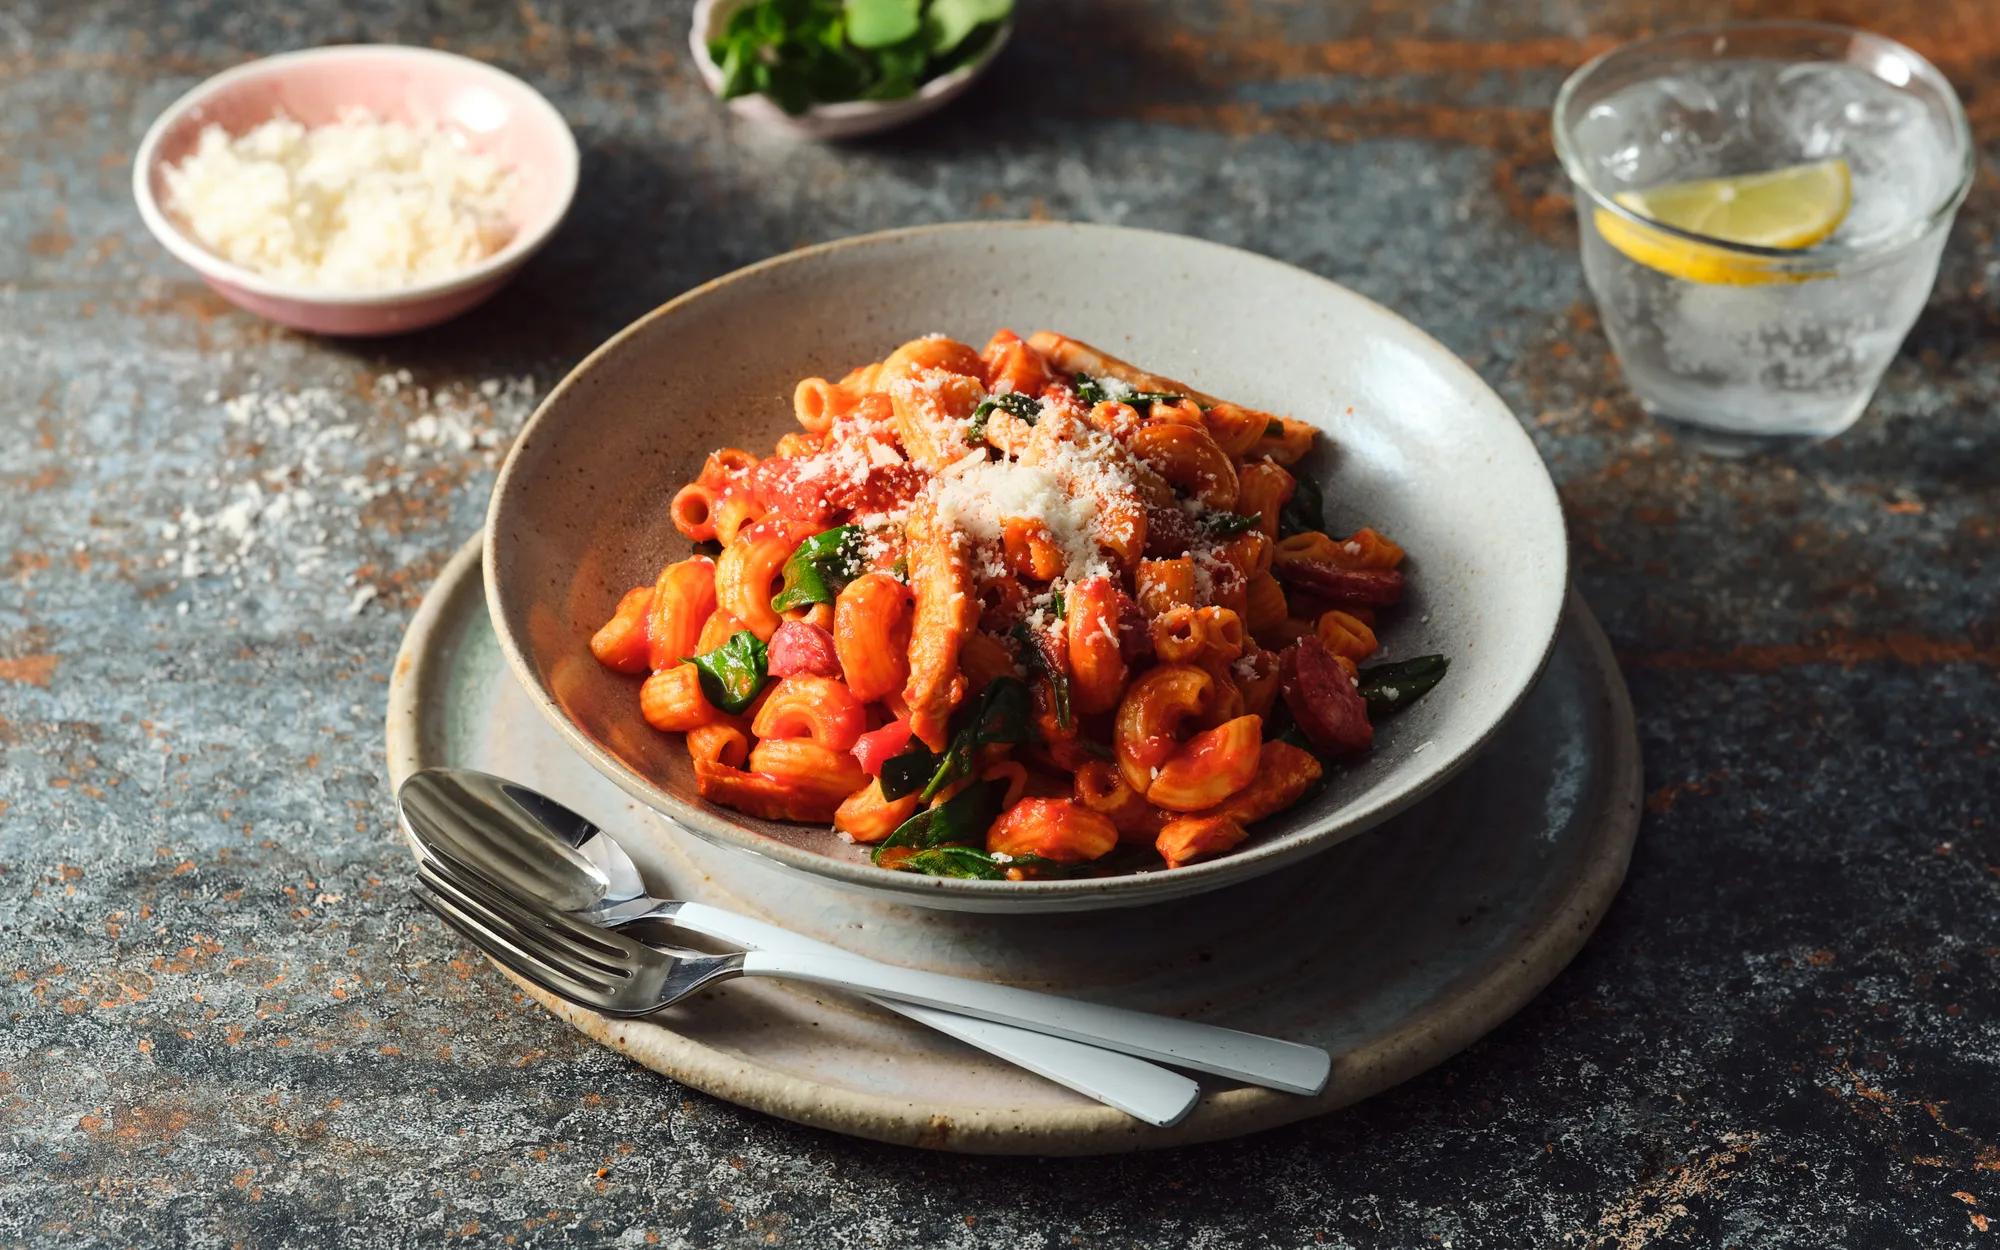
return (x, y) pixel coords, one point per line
(960, 820)
(1305, 510)
(818, 568)
(733, 673)
(1003, 714)
(1389, 688)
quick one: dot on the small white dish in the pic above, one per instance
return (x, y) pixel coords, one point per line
(849, 119)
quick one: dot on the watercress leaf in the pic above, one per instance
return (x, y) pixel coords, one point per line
(907, 773)
(948, 22)
(733, 673)
(1305, 510)
(879, 23)
(1388, 688)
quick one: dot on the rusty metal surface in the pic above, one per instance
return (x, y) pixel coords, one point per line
(226, 1024)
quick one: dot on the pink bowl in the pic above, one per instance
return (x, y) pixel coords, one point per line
(496, 112)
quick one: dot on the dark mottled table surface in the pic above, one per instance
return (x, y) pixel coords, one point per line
(226, 1023)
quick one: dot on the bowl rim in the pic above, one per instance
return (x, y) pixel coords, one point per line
(709, 822)
(208, 264)
(703, 21)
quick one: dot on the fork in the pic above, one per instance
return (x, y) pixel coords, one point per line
(615, 975)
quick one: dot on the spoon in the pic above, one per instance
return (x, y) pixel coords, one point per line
(527, 842)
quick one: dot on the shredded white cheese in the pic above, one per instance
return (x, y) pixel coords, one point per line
(356, 205)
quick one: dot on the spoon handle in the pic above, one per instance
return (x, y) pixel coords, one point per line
(1142, 1090)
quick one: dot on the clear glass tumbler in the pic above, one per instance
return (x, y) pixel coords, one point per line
(1744, 347)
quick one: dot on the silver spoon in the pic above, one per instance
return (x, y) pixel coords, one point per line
(529, 843)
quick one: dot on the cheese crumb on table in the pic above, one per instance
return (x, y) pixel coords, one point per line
(357, 205)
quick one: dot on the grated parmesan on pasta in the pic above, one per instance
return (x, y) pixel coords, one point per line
(357, 205)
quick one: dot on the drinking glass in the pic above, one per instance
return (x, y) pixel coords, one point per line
(1745, 347)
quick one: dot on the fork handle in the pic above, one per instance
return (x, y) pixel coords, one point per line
(1248, 1057)
(1139, 1089)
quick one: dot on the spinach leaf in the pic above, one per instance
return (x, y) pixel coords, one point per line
(818, 567)
(949, 22)
(1026, 407)
(973, 864)
(733, 673)
(1389, 687)
(1037, 660)
(907, 773)
(879, 23)
(961, 820)
(1002, 715)
(1305, 510)
(1225, 524)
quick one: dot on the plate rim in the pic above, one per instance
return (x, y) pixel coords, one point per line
(1424, 1039)
(1080, 894)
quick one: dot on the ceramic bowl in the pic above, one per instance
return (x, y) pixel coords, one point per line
(1417, 446)
(496, 113)
(826, 122)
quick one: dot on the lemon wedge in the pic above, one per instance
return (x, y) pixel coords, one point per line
(1791, 208)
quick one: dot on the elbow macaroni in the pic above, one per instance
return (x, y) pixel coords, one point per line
(1086, 564)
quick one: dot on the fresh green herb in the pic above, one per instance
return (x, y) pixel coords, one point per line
(1224, 524)
(806, 52)
(1389, 687)
(1023, 406)
(733, 673)
(818, 567)
(1089, 390)
(1305, 510)
(962, 819)
(1149, 398)
(1035, 656)
(972, 864)
(1002, 715)
(900, 570)
(1058, 606)
(1274, 428)
(907, 773)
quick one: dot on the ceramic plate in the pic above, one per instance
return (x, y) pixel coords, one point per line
(1393, 951)
(1418, 446)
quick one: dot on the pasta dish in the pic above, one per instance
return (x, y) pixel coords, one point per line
(1016, 613)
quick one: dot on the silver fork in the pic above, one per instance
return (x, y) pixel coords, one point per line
(616, 975)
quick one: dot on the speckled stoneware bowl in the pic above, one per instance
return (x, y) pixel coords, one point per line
(1417, 446)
